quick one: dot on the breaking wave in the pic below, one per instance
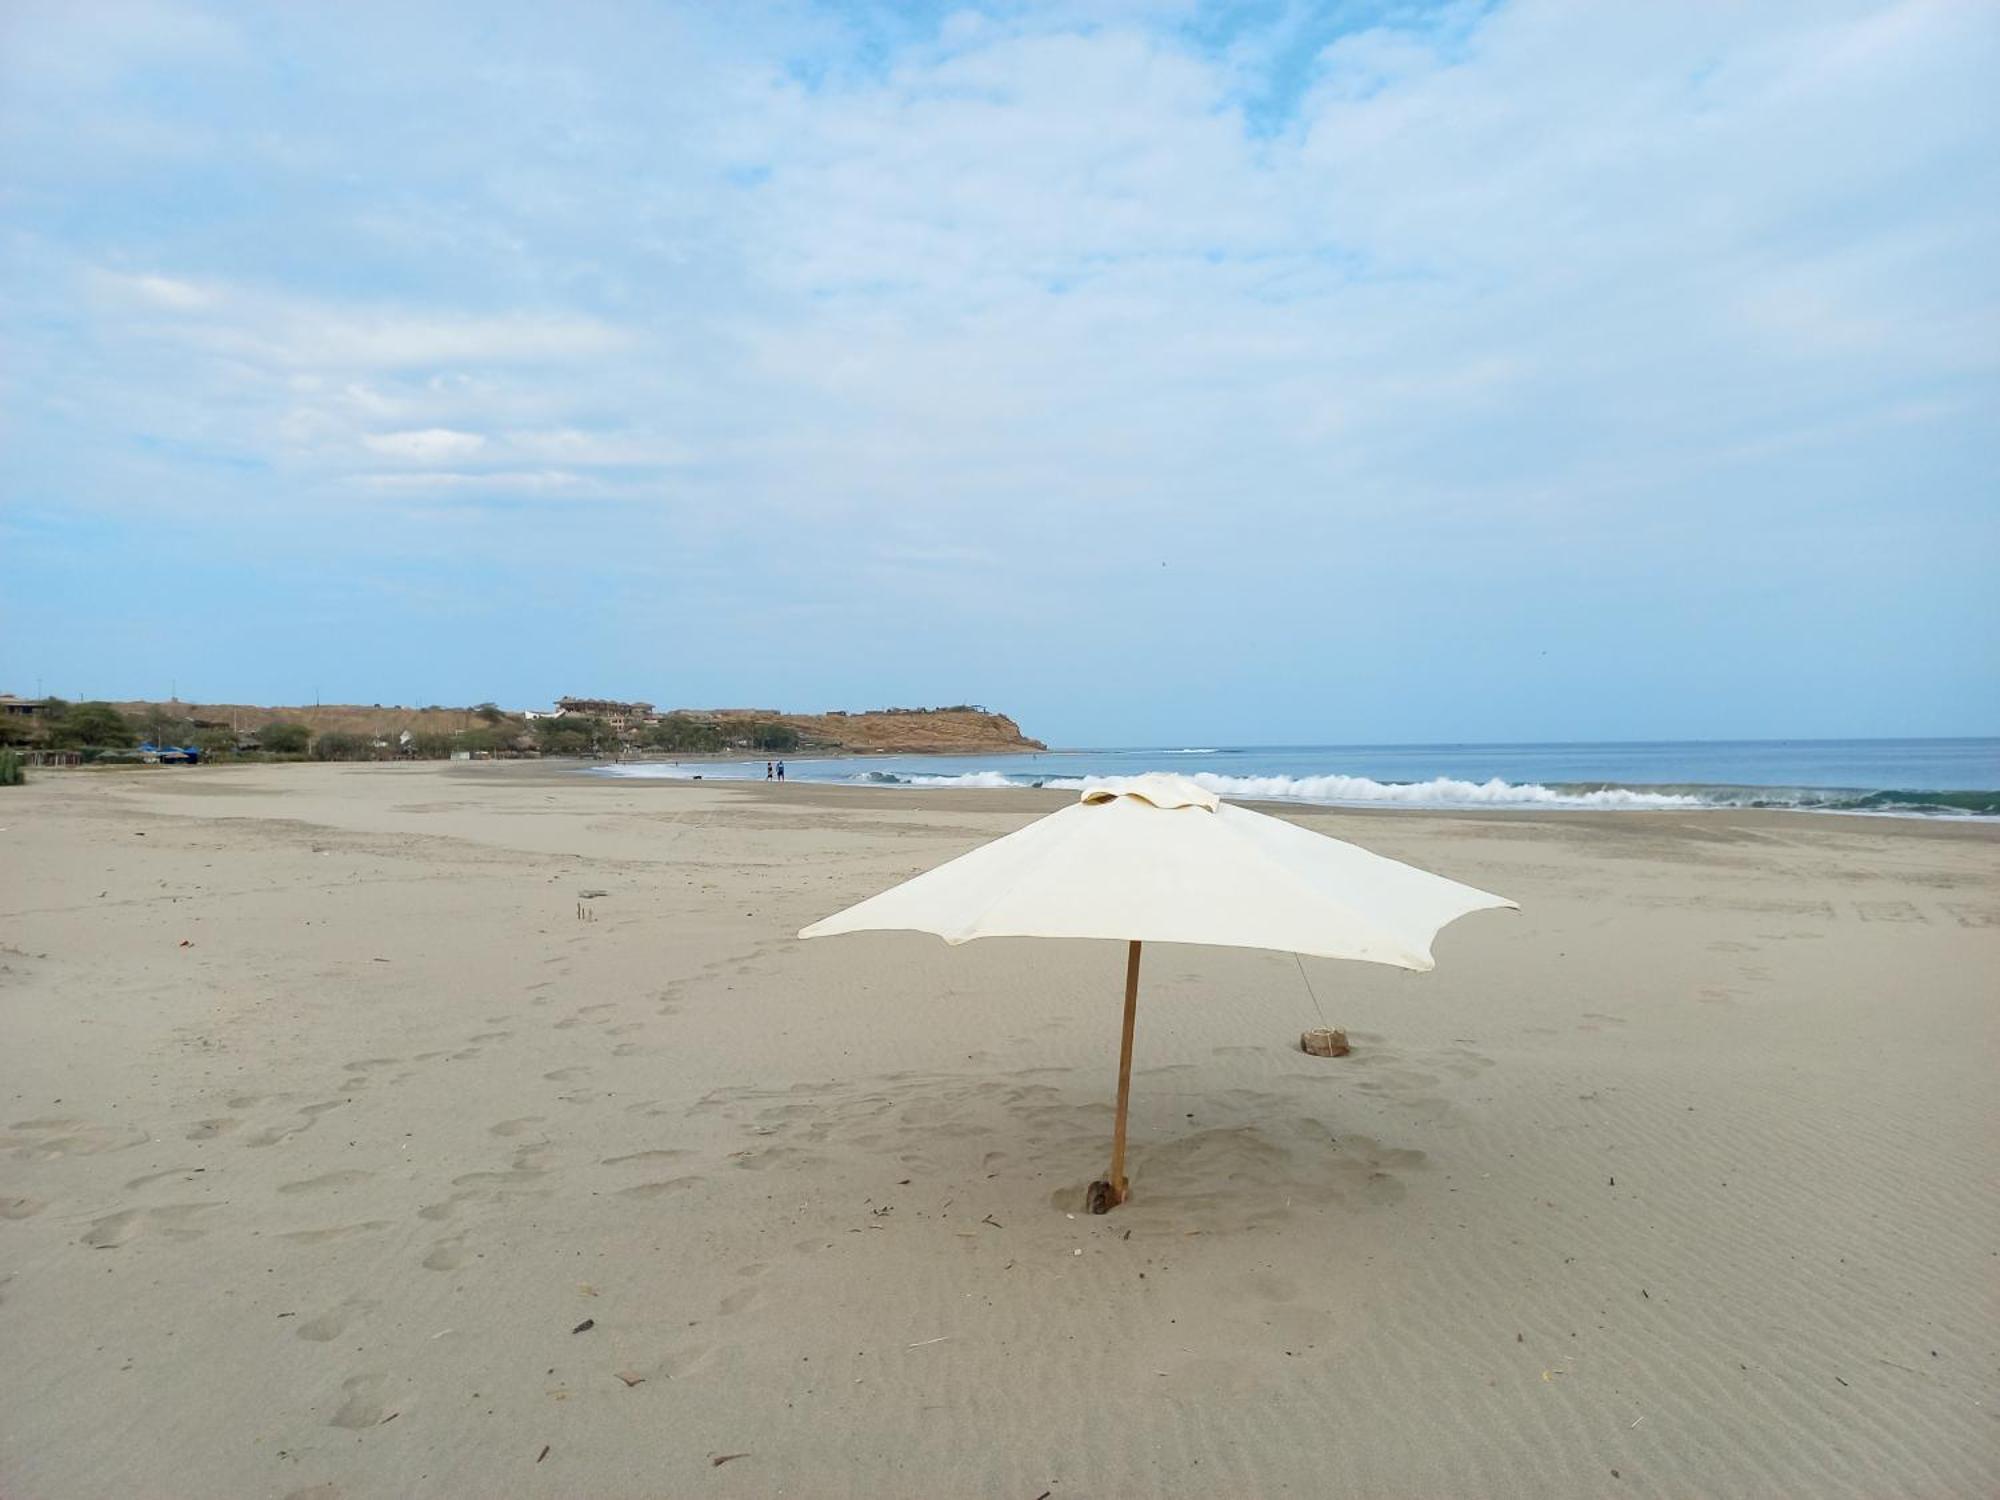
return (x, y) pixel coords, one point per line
(1451, 792)
(1362, 791)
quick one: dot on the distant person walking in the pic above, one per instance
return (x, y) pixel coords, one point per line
(767, 770)
(781, 770)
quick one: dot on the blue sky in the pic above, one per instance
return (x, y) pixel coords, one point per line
(1160, 373)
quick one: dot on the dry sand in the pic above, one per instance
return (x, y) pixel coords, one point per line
(329, 1107)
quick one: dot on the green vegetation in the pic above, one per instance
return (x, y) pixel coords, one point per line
(680, 734)
(573, 735)
(215, 743)
(333, 745)
(781, 737)
(161, 726)
(91, 726)
(11, 773)
(285, 738)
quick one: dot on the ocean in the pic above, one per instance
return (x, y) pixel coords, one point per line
(1933, 778)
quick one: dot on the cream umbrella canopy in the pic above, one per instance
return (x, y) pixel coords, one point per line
(1160, 858)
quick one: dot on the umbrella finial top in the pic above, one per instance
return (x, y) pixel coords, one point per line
(1159, 789)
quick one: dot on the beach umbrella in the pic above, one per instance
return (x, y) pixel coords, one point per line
(1160, 858)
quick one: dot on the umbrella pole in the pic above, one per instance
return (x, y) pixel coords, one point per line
(1117, 1181)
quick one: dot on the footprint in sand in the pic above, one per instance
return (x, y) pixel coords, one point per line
(271, 1135)
(20, 1208)
(566, 1075)
(334, 1232)
(326, 1182)
(325, 1327)
(516, 1126)
(447, 1255)
(172, 1220)
(369, 1064)
(645, 1158)
(47, 1140)
(519, 1177)
(737, 1302)
(1266, 1286)
(186, 1173)
(364, 1406)
(447, 1208)
(660, 1188)
(677, 1364)
(208, 1130)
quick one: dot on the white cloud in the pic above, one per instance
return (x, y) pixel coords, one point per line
(1548, 261)
(429, 445)
(497, 482)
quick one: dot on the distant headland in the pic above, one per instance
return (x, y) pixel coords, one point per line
(604, 727)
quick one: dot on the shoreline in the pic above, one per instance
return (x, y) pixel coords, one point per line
(1058, 796)
(562, 769)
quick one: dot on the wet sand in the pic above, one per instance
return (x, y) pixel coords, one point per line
(332, 1101)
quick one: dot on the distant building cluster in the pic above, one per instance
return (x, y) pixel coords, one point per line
(624, 718)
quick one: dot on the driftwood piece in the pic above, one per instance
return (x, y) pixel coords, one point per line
(1324, 1043)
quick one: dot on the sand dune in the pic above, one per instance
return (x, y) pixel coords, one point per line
(334, 1108)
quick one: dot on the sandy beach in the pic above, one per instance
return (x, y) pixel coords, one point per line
(385, 1131)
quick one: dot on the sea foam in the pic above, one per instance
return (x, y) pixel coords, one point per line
(1440, 791)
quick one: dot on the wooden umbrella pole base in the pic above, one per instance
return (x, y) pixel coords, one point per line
(1115, 1189)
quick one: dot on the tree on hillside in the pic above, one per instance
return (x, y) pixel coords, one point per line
(285, 738)
(334, 745)
(96, 725)
(573, 735)
(677, 732)
(775, 737)
(165, 727)
(490, 712)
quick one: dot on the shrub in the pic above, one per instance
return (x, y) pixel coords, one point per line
(680, 733)
(774, 737)
(11, 773)
(334, 745)
(571, 735)
(92, 724)
(284, 738)
(165, 727)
